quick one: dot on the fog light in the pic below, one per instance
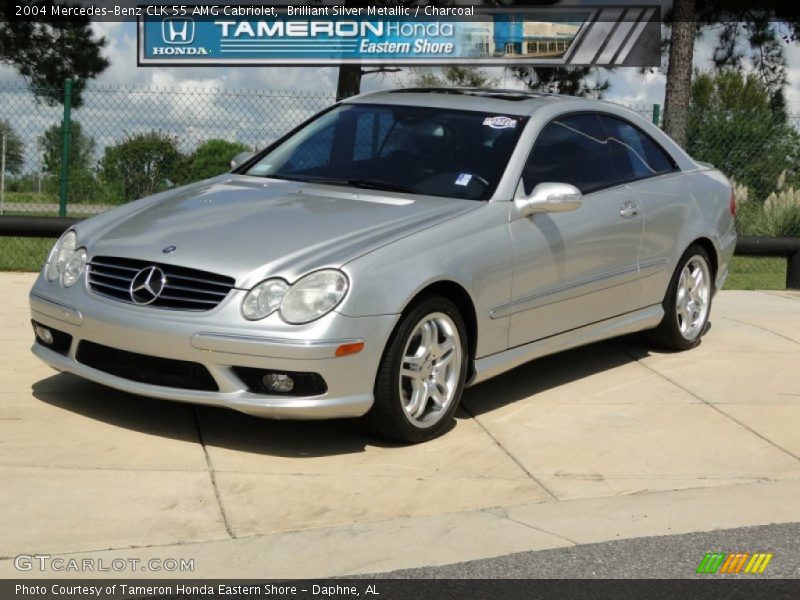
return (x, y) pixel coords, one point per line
(44, 334)
(278, 382)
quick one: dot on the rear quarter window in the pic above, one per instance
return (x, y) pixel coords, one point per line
(571, 149)
(636, 154)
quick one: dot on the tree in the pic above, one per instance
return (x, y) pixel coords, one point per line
(15, 148)
(48, 50)
(348, 82)
(453, 76)
(210, 158)
(679, 73)
(732, 125)
(573, 81)
(765, 51)
(141, 165)
(82, 183)
(81, 149)
(758, 32)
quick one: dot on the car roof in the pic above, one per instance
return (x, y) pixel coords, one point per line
(504, 101)
(519, 103)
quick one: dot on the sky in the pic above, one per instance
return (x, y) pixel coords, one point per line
(628, 86)
(192, 118)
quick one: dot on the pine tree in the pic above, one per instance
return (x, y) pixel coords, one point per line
(48, 51)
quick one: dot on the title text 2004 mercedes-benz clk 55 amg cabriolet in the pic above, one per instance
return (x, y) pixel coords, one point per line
(391, 250)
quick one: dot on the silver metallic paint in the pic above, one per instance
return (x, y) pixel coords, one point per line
(537, 284)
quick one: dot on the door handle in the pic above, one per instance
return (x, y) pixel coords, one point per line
(629, 210)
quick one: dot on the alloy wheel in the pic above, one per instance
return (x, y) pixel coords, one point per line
(693, 297)
(430, 369)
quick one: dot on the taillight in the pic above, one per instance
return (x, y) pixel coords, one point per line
(733, 204)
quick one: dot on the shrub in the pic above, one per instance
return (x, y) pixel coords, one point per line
(141, 165)
(210, 158)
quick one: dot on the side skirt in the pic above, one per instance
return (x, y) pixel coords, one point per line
(638, 320)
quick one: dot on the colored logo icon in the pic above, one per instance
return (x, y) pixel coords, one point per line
(732, 563)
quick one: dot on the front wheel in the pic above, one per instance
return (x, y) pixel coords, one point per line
(422, 372)
(688, 302)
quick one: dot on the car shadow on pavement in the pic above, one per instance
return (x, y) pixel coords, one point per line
(215, 427)
(551, 372)
(221, 428)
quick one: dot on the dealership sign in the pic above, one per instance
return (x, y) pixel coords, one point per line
(579, 36)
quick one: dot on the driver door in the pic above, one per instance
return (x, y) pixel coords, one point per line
(574, 268)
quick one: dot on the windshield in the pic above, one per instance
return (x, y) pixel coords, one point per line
(412, 149)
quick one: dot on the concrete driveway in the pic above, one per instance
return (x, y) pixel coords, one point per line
(606, 442)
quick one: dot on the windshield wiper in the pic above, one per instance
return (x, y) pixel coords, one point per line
(374, 184)
(367, 184)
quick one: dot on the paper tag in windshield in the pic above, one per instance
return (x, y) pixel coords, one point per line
(500, 122)
(463, 179)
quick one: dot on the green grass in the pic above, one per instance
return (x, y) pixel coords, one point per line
(30, 198)
(24, 254)
(747, 272)
(757, 273)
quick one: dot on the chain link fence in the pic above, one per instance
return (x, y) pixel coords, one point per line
(170, 136)
(125, 143)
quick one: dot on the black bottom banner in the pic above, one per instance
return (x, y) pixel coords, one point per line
(403, 589)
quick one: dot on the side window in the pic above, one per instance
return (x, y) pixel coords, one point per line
(571, 149)
(635, 153)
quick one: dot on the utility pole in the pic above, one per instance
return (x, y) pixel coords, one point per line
(65, 133)
(3, 176)
(39, 144)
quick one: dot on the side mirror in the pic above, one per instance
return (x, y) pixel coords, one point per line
(241, 158)
(547, 197)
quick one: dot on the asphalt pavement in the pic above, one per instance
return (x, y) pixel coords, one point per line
(671, 556)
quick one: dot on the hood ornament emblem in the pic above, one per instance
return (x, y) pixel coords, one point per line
(169, 249)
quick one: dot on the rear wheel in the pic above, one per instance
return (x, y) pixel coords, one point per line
(687, 304)
(422, 372)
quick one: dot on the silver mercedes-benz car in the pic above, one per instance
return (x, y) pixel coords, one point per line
(386, 253)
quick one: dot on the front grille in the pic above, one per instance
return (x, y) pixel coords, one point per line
(185, 289)
(146, 369)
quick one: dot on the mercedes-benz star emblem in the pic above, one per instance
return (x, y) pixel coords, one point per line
(169, 249)
(147, 285)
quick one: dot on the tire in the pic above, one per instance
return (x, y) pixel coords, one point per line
(421, 375)
(683, 329)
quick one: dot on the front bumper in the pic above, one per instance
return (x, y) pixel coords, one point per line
(219, 340)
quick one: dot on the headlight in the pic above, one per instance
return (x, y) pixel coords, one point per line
(60, 255)
(74, 267)
(264, 299)
(313, 296)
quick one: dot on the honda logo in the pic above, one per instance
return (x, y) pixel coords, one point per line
(177, 31)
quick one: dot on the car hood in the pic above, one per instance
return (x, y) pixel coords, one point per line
(252, 228)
